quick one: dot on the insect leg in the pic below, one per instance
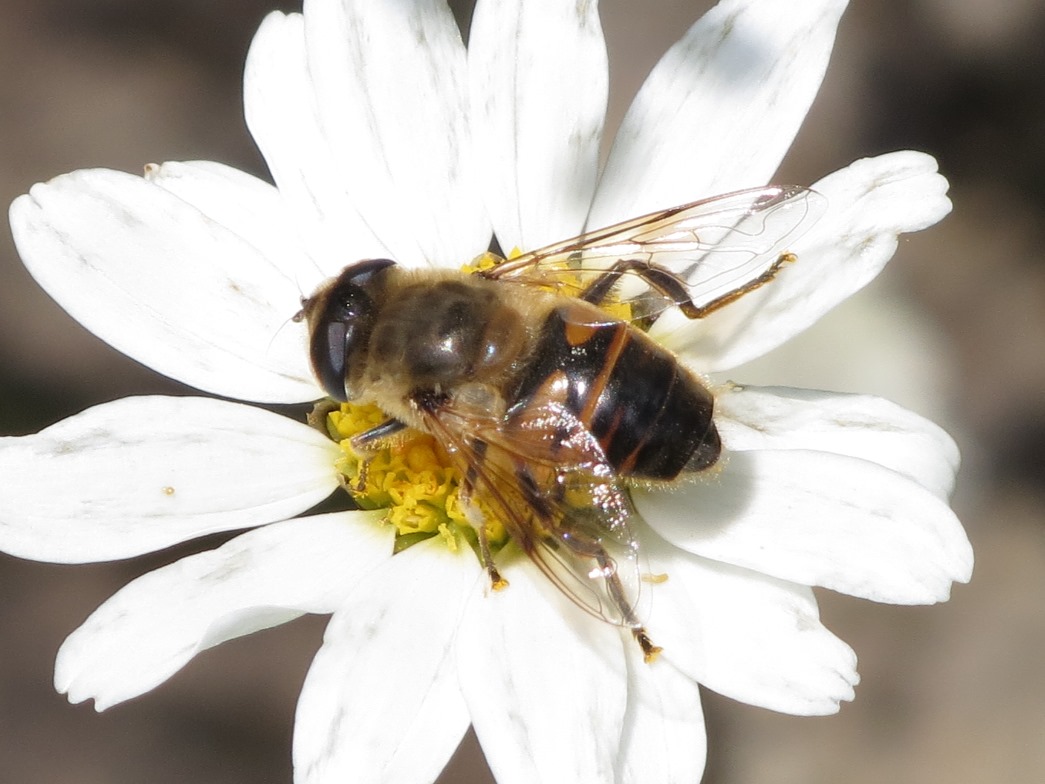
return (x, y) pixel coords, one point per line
(650, 652)
(697, 312)
(478, 523)
(367, 444)
(607, 567)
(497, 582)
(369, 439)
(673, 289)
(660, 280)
(364, 474)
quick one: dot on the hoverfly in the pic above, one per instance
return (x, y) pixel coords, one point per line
(548, 404)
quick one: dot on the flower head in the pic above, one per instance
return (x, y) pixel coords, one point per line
(387, 138)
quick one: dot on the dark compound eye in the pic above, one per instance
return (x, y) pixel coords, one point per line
(350, 304)
(363, 272)
(341, 330)
(328, 359)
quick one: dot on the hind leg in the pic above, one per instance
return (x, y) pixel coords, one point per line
(674, 289)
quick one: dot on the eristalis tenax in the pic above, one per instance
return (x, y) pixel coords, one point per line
(537, 378)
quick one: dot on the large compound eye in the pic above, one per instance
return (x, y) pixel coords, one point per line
(329, 358)
(341, 325)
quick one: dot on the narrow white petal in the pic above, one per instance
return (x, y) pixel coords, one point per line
(719, 111)
(391, 87)
(539, 86)
(141, 474)
(751, 637)
(664, 739)
(545, 684)
(157, 279)
(863, 426)
(870, 203)
(158, 623)
(381, 701)
(280, 106)
(819, 519)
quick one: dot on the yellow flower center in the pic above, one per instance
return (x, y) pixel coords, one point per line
(485, 261)
(411, 476)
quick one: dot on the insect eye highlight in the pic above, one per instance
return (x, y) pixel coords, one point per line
(349, 303)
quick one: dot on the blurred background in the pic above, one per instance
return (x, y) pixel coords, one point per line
(954, 329)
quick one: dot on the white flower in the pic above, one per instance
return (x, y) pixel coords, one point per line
(385, 137)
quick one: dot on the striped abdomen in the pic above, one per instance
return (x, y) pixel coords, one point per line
(652, 417)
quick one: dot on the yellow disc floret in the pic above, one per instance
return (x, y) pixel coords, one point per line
(411, 476)
(485, 261)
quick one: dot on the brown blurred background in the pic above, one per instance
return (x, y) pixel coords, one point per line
(955, 328)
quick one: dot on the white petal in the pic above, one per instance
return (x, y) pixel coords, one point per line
(870, 204)
(154, 277)
(539, 81)
(141, 474)
(748, 636)
(721, 108)
(158, 623)
(545, 684)
(391, 87)
(863, 426)
(381, 701)
(819, 519)
(664, 739)
(280, 106)
(250, 208)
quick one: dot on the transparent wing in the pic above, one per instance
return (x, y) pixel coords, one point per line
(544, 476)
(710, 247)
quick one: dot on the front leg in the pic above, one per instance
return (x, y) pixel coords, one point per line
(366, 445)
(371, 440)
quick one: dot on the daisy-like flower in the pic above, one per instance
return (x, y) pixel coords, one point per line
(386, 137)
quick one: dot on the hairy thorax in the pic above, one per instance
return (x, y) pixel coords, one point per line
(444, 335)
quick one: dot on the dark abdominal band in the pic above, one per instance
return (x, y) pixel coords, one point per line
(651, 417)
